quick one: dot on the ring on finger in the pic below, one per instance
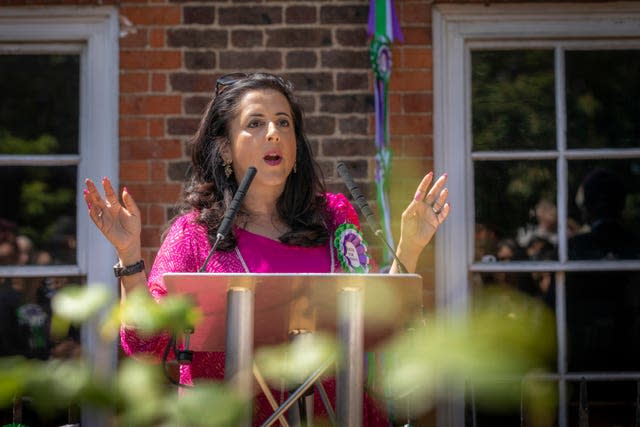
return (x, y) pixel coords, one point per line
(100, 214)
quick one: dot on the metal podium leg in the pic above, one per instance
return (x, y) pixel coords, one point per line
(349, 375)
(239, 346)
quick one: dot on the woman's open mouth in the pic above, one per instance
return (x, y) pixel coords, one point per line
(272, 159)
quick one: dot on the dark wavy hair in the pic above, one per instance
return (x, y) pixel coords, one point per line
(209, 191)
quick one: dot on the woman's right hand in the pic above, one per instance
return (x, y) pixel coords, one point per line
(120, 223)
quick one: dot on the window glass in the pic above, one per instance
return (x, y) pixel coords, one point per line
(604, 209)
(40, 101)
(603, 98)
(515, 210)
(513, 100)
(610, 403)
(38, 209)
(602, 320)
(26, 330)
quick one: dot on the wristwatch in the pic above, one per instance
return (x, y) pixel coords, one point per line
(128, 270)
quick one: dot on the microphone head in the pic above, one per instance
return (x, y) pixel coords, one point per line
(342, 169)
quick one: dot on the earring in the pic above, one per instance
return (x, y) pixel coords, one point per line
(295, 167)
(228, 170)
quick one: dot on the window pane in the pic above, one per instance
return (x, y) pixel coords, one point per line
(603, 98)
(602, 320)
(604, 209)
(26, 330)
(515, 207)
(610, 403)
(39, 108)
(512, 100)
(25, 318)
(38, 215)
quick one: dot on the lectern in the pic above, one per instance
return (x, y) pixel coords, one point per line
(242, 312)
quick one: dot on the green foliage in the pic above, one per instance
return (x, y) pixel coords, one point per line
(504, 335)
(513, 104)
(295, 362)
(38, 199)
(44, 144)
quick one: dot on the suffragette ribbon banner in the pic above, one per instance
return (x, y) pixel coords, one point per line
(383, 29)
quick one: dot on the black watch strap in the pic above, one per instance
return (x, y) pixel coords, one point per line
(128, 270)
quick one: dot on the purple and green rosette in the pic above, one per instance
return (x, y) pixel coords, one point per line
(351, 249)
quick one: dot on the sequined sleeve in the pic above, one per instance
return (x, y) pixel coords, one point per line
(340, 210)
(179, 252)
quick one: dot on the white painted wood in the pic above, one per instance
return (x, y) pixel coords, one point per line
(457, 29)
(93, 33)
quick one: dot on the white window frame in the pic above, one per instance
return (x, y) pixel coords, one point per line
(91, 32)
(456, 30)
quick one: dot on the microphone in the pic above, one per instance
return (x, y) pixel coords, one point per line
(227, 220)
(185, 356)
(362, 203)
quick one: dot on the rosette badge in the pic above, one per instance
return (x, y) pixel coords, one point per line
(351, 249)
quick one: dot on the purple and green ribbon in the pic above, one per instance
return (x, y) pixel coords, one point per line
(383, 29)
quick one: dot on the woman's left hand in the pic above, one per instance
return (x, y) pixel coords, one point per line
(421, 219)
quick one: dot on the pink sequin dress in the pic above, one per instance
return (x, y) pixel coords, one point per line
(185, 249)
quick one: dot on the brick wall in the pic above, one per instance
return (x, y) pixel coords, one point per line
(172, 52)
(175, 51)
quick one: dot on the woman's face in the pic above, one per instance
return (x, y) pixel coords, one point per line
(263, 135)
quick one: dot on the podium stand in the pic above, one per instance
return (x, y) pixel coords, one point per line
(242, 312)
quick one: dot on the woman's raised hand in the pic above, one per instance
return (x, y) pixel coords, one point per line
(120, 223)
(421, 219)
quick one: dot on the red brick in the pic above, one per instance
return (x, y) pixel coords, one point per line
(156, 15)
(158, 170)
(199, 15)
(418, 57)
(133, 128)
(411, 81)
(156, 127)
(155, 192)
(157, 215)
(395, 102)
(138, 38)
(134, 170)
(150, 236)
(417, 35)
(134, 82)
(347, 14)
(157, 37)
(417, 102)
(155, 104)
(158, 82)
(414, 11)
(249, 15)
(300, 14)
(406, 124)
(148, 60)
(418, 146)
(299, 37)
(150, 149)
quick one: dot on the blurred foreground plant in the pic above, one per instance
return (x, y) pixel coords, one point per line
(138, 394)
(506, 337)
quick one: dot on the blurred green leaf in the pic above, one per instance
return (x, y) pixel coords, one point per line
(210, 404)
(504, 336)
(174, 313)
(294, 362)
(14, 373)
(79, 303)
